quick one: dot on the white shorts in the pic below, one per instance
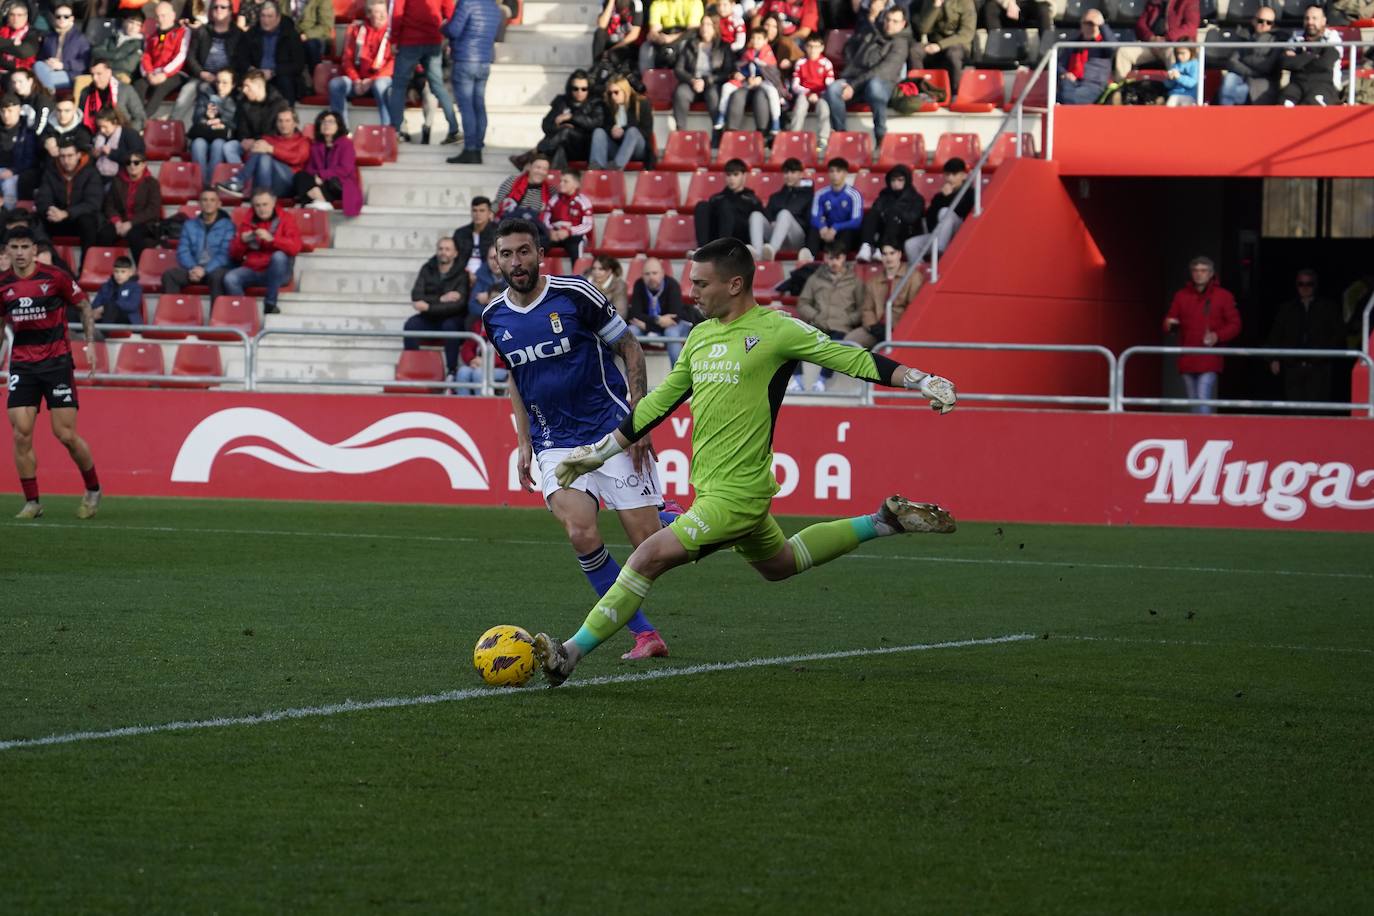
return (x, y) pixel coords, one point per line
(616, 483)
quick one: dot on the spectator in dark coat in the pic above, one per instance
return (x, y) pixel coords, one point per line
(472, 35)
(876, 65)
(1161, 21)
(726, 213)
(570, 121)
(18, 153)
(35, 103)
(214, 47)
(618, 29)
(1252, 74)
(1306, 322)
(274, 47)
(255, 115)
(65, 53)
(1312, 72)
(132, 208)
(656, 307)
(704, 62)
(64, 121)
(476, 238)
(894, 216)
(440, 300)
(212, 128)
(626, 131)
(1204, 314)
(1085, 72)
(69, 197)
(782, 224)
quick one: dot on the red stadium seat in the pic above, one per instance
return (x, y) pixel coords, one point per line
(346, 11)
(176, 308)
(69, 255)
(835, 40)
(196, 359)
(764, 184)
(1039, 95)
(788, 144)
(418, 366)
(164, 139)
(82, 365)
(685, 281)
(1005, 148)
(741, 144)
(866, 272)
(627, 234)
(869, 185)
(928, 185)
(240, 312)
(687, 151)
(659, 85)
(634, 269)
(552, 265)
(979, 90)
(703, 186)
(371, 144)
(938, 79)
(583, 264)
(314, 226)
(151, 265)
(767, 275)
(97, 265)
(855, 147)
(137, 357)
(904, 149)
(966, 146)
(655, 192)
(605, 188)
(324, 71)
(677, 235)
(179, 181)
(222, 174)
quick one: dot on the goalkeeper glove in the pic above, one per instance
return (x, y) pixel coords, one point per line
(586, 458)
(939, 391)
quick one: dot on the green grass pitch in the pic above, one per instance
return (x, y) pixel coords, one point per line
(1188, 730)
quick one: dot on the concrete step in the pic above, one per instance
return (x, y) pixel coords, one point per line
(369, 282)
(526, 84)
(540, 12)
(567, 45)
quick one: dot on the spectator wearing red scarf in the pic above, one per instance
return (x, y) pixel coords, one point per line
(1085, 72)
(132, 208)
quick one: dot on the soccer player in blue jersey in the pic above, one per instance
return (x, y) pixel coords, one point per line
(560, 337)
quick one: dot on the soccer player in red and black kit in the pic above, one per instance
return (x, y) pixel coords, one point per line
(34, 298)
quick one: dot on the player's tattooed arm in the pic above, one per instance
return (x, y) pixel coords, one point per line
(88, 329)
(636, 375)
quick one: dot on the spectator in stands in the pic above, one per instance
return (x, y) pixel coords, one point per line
(274, 47)
(786, 48)
(810, 79)
(65, 53)
(626, 131)
(1314, 74)
(120, 298)
(203, 249)
(1349, 12)
(895, 215)
(1252, 74)
(211, 134)
(568, 217)
(726, 213)
(18, 153)
(606, 274)
(1085, 72)
(656, 307)
(704, 63)
(1180, 81)
(1161, 21)
(331, 170)
(164, 56)
(872, 329)
(472, 35)
(670, 21)
(942, 219)
(949, 27)
(877, 63)
(255, 116)
(1306, 322)
(756, 70)
(488, 283)
(247, 16)
(797, 18)
(367, 65)
(1205, 315)
(837, 211)
(440, 299)
(273, 160)
(314, 21)
(19, 41)
(64, 121)
(266, 241)
(784, 221)
(730, 25)
(133, 208)
(113, 145)
(618, 29)
(416, 31)
(525, 196)
(832, 301)
(214, 47)
(569, 123)
(69, 196)
(1019, 14)
(123, 50)
(35, 104)
(470, 370)
(476, 238)
(107, 92)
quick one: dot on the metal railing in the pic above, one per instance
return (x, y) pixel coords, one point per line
(1364, 323)
(484, 387)
(1110, 401)
(206, 334)
(1122, 402)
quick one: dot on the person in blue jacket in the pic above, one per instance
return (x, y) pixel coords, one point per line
(203, 250)
(837, 212)
(119, 299)
(471, 33)
(65, 53)
(1181, 78)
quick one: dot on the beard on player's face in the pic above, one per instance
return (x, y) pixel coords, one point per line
(520, 278)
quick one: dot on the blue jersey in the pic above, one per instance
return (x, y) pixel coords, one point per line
(558, 351)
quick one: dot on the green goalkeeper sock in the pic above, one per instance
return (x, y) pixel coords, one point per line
(613, 610)
(824, 542)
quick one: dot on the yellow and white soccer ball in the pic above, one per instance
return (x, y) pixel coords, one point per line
(504, 656)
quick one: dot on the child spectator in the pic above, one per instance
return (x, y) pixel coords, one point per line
(809, 81)
(568, 217)
(837, 212)
(733, 32)
(119, 299)
(756, 68)
(1181, 79)
(470, 368)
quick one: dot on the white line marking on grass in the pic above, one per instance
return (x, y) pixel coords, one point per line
(1344, 650)
(478, 693)
(458, 539)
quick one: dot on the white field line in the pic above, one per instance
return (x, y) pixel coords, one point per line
(454, 539)
(1343, 650)
(480, 693)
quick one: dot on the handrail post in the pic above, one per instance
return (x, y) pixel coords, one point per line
(1364, 323)
(1350, 88)
(1053, 101)
(977, 178)
(1201, 73)
(935, 256)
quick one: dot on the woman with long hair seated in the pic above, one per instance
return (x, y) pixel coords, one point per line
(331, 172)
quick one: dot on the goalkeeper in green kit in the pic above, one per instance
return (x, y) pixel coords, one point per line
(735, 367)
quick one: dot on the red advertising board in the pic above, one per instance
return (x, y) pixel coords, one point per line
(1044, 466)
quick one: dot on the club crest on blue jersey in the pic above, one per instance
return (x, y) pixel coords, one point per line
(556, 323)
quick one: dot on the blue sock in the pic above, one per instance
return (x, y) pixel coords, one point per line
(666, 517)
(601, 570)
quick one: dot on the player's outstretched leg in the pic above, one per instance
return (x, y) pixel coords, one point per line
(64, 428)
(827, 541)
(22, 421)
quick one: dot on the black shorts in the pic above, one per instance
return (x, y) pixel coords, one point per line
(30, 387)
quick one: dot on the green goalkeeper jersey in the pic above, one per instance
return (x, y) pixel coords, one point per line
(736, 375)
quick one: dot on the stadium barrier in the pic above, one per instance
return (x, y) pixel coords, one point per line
(1364, 324)
(207, 334)
(485, 387)
(1110, 401)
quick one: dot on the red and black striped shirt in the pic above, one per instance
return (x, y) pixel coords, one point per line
(36, 308)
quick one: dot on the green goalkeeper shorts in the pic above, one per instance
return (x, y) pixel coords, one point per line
(715, 522)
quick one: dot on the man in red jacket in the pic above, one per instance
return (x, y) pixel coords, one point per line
(264, 245)
(164, 57)
(1162, 20)
(1205, 316)
(416, 30)
(366, 65)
